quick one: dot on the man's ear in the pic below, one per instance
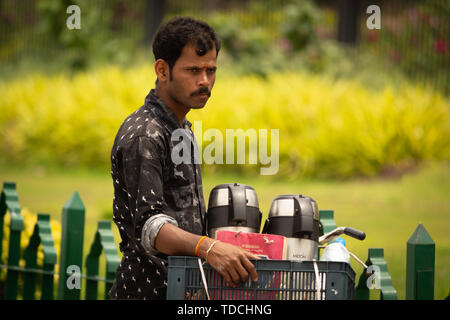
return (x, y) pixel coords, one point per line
(162, 70)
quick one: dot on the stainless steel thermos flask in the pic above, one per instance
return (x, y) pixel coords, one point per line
(297, 218)
(233, 207)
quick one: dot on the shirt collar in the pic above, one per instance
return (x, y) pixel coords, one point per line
(153, 100)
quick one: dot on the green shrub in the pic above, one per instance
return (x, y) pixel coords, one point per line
(328, 128)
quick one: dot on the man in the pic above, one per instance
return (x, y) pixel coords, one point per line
(158, 205)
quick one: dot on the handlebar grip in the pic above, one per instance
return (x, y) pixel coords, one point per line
(354, 233)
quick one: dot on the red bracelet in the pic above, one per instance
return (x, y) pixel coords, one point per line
(197, 248)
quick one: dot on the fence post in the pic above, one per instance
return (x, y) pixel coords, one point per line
(71, 254)
(103, 241)
(380, 274)
(327, 220)
(420, 256)
(42, 234)
(9, 201)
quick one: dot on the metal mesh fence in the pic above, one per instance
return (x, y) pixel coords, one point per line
(414, 34)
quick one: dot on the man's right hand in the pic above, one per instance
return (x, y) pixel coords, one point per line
(232, 262)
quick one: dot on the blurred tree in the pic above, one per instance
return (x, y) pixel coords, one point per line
(101, 37)
(51, 27)
(298, 23)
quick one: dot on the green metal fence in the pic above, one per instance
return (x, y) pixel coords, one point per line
(21, 281)
(21, 275)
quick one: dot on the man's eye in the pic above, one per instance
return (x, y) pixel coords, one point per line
(195, 70)
(211, 70)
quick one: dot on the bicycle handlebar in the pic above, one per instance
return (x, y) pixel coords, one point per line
(338, 231)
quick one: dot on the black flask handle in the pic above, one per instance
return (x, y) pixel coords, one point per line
(238, 203)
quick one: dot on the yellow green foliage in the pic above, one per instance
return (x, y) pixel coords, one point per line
(327, 128)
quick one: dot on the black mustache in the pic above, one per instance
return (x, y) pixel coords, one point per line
(201, 91)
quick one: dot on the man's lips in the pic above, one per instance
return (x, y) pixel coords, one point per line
(201, 97)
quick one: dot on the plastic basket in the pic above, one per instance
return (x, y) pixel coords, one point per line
(277, 280)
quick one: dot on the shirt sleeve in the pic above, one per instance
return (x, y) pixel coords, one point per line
(143, 176)
(151, 230)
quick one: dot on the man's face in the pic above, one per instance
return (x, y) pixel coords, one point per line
(193, 77)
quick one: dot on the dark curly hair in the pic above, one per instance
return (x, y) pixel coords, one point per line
(175, 34)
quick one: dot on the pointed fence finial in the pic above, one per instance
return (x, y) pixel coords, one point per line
(420, 264)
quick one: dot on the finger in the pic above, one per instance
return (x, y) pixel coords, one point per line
(225, 275)
(251, 269)
(235, 277)
(228, 279)
(251, 255)
(243, 274)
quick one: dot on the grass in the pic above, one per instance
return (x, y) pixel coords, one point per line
(388, 210)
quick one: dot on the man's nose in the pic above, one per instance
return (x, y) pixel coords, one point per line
(203, 80)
